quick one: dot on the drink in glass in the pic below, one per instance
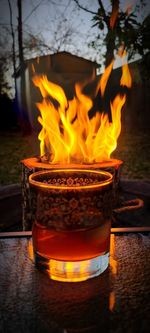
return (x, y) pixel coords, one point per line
(71, 231)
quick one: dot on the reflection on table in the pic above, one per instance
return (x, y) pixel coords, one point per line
(116, 301)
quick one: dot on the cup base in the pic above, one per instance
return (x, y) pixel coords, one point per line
(72, 271)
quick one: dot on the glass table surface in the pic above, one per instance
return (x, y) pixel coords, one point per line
(117, 301)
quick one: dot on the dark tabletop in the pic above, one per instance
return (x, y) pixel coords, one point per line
(117, 301)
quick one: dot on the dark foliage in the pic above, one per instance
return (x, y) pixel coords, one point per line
(8, 113)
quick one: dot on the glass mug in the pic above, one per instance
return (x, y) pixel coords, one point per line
(71, 231)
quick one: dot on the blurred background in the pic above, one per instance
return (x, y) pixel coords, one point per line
(67, 40)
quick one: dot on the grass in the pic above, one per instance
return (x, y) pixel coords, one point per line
(13, 148)
(133, 149)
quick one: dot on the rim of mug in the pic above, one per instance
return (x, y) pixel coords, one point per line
(40, 184)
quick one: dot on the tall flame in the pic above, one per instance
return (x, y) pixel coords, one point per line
(114, 14)
(68, 134)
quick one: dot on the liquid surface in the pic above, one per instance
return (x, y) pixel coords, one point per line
(71, 245)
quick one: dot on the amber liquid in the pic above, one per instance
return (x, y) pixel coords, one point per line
(71, 245)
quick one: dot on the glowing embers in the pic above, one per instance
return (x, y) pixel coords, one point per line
(68, 134)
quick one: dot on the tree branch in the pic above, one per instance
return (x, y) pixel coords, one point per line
(106, 20)
(32, 11)
(84, 8)
(13, 45)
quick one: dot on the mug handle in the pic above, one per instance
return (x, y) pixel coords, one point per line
(130, 205)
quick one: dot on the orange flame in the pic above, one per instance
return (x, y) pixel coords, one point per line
(68, 135)
(114, 14)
